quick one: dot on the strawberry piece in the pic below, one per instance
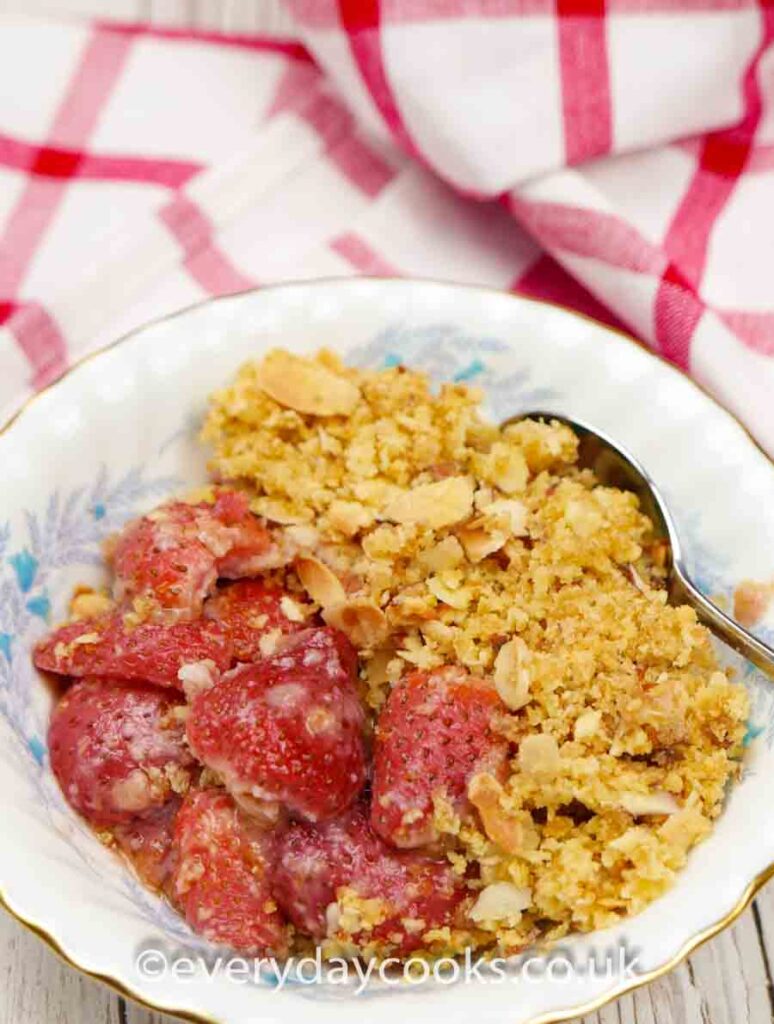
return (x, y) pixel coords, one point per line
(147, 844)
(287, 732)
(117, 749)
(345, 857)
(150, 651)
(172, 557)
(433, 735)
(222, 875)
(253, 550)
(253, 617)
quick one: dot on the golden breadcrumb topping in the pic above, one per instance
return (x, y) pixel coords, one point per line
(434, 537)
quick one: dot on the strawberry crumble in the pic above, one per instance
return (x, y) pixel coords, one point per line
(399, 682)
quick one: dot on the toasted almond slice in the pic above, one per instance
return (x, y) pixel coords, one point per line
(305, 386)
(446, 554)
(436, 505)
(479, 542)
(514, 510)
(455, 597)
(360, 619)
(539, 754)
(511, 675)
(658, 802)
(320, 582)
(635, 578)
(438, 631)
(500, 902)
(484, 792)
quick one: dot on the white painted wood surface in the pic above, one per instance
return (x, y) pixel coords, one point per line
(727, 981)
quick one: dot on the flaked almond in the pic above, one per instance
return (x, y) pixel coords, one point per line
(505, 467)
(539, 754)
(480, 542)
(360, 619)
(511, 675)
(320, 582)
(437, 631)
(436, 505)
(455, 597)
(305, 386)
(411, 609)
(500, 903)
(636, 579)
(515, 512)
(658, 802)
(446, 554)
(509, 832)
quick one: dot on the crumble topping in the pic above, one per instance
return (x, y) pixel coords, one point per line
(443, 539)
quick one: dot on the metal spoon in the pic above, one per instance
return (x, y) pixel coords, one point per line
(615, 467)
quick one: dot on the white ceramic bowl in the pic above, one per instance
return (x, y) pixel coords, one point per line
(118, 433)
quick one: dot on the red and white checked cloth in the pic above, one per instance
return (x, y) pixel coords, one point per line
(616, 156)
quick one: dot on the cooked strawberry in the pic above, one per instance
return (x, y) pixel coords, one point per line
(287, 732)
(152, 652)
(254, 615)
(147, 843)
(345, 858)
(433, 734)
(118, 749)
(222, 876)
(252, 549)
(172, 557)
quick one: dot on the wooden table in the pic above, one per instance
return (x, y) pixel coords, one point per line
(727, 981)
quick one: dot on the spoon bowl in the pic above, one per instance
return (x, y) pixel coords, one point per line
(614, 466)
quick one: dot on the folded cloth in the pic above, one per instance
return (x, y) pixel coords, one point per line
(615, 156)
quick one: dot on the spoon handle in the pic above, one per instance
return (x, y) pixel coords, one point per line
(685, 592)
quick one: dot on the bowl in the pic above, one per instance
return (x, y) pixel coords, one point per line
(119, 432)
